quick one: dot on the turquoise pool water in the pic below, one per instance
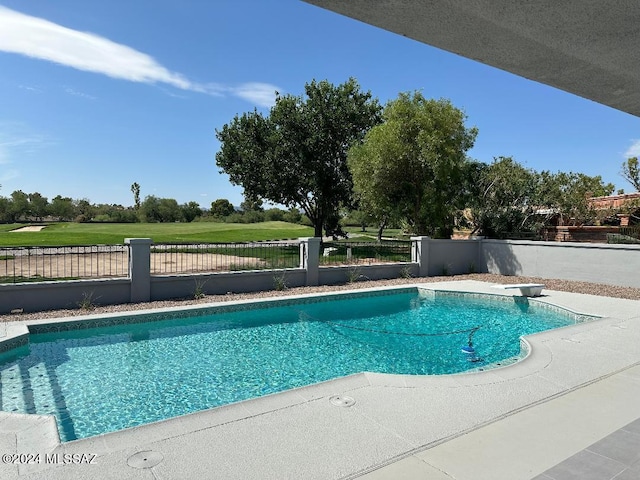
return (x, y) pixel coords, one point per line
(106, 379)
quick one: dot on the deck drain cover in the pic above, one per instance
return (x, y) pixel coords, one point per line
(342, 401)
(146, 459)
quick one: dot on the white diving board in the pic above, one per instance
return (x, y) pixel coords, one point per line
(526, 289)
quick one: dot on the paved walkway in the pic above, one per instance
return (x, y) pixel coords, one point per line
(541, 418)
(615, 456)
(592, 433)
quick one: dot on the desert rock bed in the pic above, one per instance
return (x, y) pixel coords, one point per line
(551, 284)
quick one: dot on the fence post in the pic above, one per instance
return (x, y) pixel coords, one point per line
(310, 258)
(139, 268)
(420, 254)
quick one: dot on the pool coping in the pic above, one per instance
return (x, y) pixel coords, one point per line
(539, 358)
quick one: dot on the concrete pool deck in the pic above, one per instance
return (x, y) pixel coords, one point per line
(578, 387)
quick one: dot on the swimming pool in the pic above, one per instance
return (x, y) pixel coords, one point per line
(121, 375)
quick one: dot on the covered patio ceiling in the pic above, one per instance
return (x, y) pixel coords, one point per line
(590, 48)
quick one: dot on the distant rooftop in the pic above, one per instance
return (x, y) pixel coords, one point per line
(613, 201)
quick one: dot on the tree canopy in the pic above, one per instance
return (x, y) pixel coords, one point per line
(567, 194)
(631, 172)
(135, 189)
(509, 198)
(297, 155)
(154, 209)
(62, 207)
(190, 211)
(412, 166)
(221, 208)
(503, 197)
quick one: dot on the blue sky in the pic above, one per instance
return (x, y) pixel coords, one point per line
(97, 95)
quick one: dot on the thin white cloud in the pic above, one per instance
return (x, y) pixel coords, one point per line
(76, 93)
(633, 150)
(39, 38)
(259, 93)
(27, 144)
(171, 93)
(30, 89)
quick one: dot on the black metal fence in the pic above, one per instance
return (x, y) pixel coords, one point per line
(37, 264)
(364, 253)
(33, 264)
(627, 235)
(169, 259)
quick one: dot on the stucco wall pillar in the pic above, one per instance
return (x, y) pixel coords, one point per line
(420, 254)
(310, 258)
(140, 268)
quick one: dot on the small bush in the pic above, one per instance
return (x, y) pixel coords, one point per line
(198, 291)
(87, 301)
(405, 272)
(234, 218)
(280, 282)
(354, 275)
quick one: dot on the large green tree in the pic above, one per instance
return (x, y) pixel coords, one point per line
(62, 208)
(154, 209)
(38, 205)
(567, 194)
(297, 154)
(84, 210)
(190, 211)
(503, 197)
(412, 166)
(221, 208)
(631, 172)
(5, 210)
(19, 207)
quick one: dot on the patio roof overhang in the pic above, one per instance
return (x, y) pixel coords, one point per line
(590, 48)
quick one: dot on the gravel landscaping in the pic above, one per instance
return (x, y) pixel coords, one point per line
(551, 284)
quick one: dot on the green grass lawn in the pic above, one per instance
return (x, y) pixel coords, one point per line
(63, 234)
(7, 227)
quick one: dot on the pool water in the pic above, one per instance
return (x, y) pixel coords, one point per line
(106, 379)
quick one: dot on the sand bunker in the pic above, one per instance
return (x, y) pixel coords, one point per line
(30, 228)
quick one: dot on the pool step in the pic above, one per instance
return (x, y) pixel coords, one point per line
(11, 392)
(43, 397)
(39, 398)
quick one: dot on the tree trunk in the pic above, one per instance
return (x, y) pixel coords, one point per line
(383, 224)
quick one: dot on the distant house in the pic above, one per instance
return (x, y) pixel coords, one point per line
(627, 201)
(613, 201)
